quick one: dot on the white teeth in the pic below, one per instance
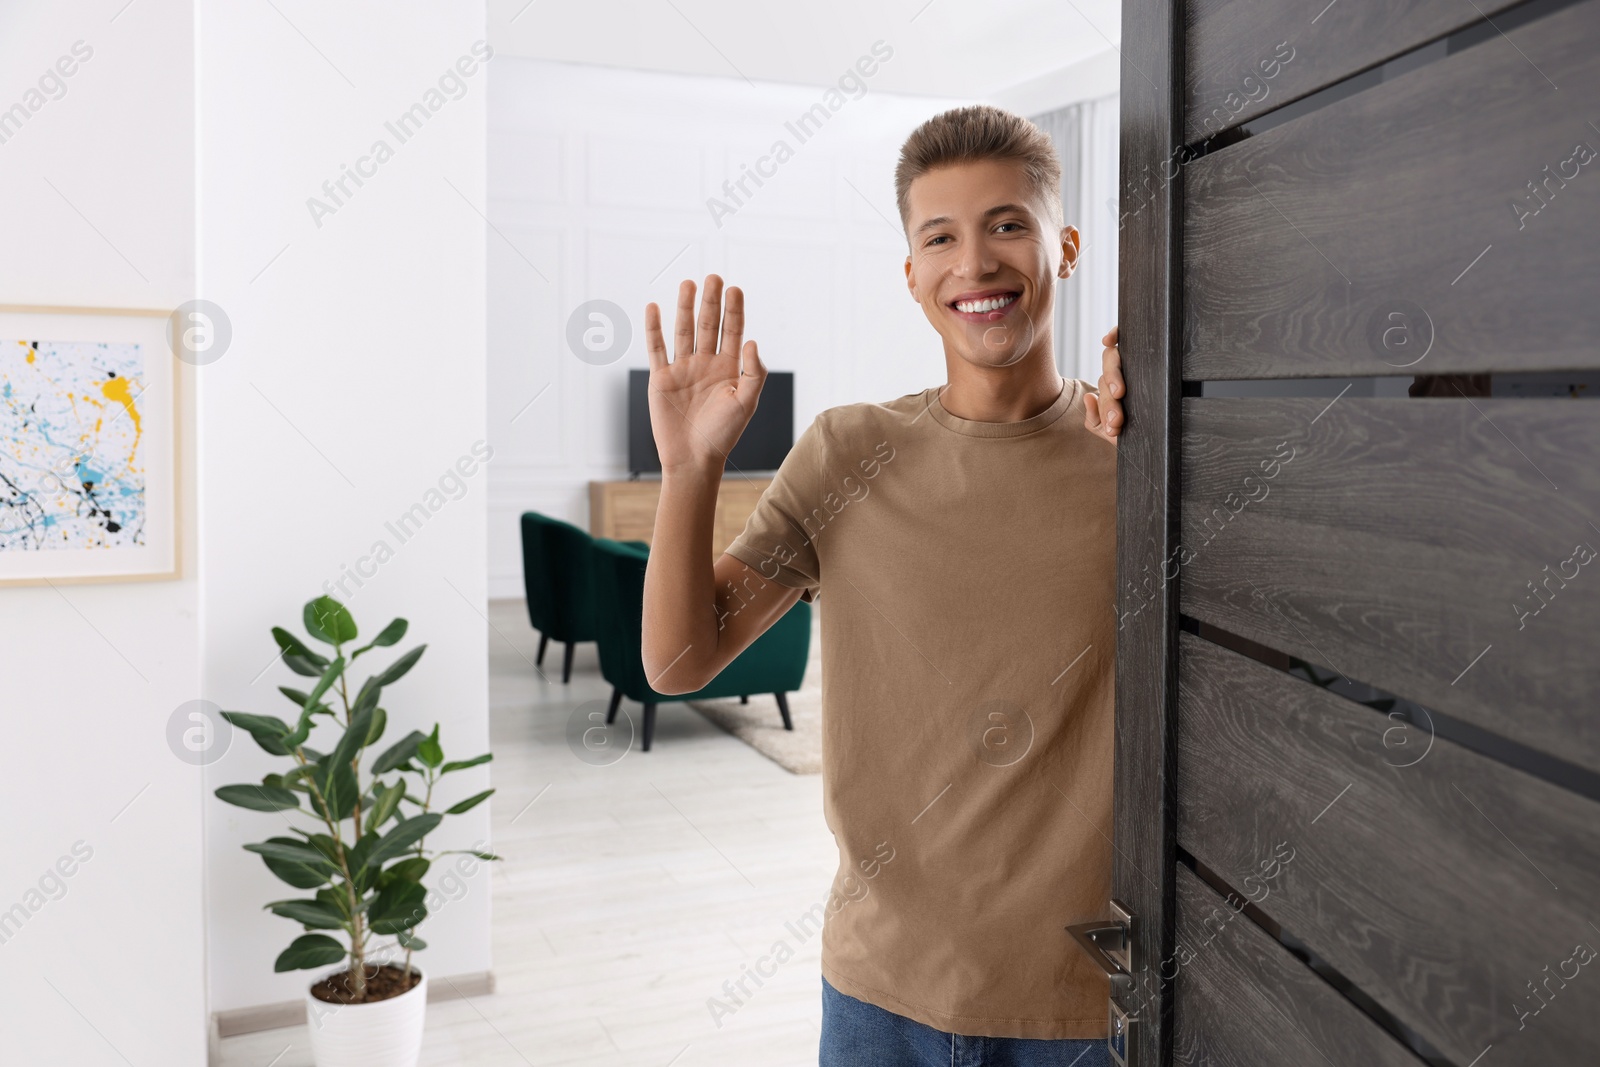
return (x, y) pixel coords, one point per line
(973, 307)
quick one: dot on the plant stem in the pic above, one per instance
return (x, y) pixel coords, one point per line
(357, 938)
(427, 799)
(358, 941)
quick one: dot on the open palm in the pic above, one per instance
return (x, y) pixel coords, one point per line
(700, 402)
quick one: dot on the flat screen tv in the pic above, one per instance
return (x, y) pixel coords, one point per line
(762, 447)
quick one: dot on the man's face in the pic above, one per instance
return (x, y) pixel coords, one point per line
(984, 259)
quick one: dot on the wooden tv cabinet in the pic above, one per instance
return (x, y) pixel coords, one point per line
(626, 510)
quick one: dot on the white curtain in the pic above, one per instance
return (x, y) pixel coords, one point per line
(1085, 135)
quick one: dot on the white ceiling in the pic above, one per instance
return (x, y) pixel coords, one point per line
(949, 48)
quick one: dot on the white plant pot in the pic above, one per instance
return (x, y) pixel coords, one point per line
(387, 1033)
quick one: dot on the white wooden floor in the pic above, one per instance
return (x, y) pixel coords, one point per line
(629, 893)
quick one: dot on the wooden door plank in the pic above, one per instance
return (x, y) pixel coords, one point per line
(1396, 231)
(1394, 540)
(1244, 1001)
(1439, 886)
(1246, 57)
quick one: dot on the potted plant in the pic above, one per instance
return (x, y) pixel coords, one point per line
(364, 855)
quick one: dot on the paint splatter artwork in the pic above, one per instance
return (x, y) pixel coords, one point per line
(71, 472)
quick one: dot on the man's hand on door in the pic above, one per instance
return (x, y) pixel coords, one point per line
(1103, 413)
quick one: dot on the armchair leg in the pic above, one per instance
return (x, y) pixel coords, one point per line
(744, 699)
(566, 663)
(649, 724)
(544, 639)
(783, 708)
(611, 712)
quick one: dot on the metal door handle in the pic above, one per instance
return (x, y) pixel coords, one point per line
(1109, 943)
(1091, 934)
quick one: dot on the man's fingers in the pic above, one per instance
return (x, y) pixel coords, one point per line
(683, 327)
(705, 342)
(1111, 372)
(733, 322)
(1110, 338)
(654, 344)
(1102, 416)
(752, 373)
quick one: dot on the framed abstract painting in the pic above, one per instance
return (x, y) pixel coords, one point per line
(89, 424)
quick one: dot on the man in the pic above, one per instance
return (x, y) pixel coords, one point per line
(966, 537)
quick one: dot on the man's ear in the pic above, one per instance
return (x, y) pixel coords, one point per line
(1069, 251)
(911, 284)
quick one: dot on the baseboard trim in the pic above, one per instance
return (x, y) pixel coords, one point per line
(293, 1012)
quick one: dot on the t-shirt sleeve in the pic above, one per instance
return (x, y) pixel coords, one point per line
(775, 542)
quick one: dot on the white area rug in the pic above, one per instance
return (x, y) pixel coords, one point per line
(759, 725)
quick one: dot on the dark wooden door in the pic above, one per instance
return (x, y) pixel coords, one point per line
(1358, 706)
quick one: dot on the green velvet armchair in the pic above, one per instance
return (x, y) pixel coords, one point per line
(557, 574)
(774, 663)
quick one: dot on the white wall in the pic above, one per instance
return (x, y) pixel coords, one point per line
(1098, 76)
(111, 971)
(598, 183)
(355, 381)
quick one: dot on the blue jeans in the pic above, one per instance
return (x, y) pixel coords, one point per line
(857, 1034)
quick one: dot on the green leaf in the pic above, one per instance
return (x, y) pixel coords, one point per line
(461, 765)
(296, 779)
(391, 634)
(298, 697)
(300, 665)
(397, 670)
(339, 900)
(307, 875)
(288, 850)
(355, 736)
(428, 751)
(405, 834)
(325, 845)
(329, 676)
(328, 621)
(469, 803)
(367, 698)
(312, 914)
(357, 858)
(380, 719)
(410, 869)
(259, 797)
(338, 785)
(398, 907)
(270, 733)
(409, 940)
(386, 804)
(302, 730)
(309, 950)
(356, 854)
(398, 753)
(300, 659)
(470, 852)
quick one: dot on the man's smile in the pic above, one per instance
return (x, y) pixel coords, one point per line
(985, 305)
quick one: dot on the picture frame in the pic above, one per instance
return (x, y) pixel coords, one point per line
(91, 422)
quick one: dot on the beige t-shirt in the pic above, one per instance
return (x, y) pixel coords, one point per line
(968, 642)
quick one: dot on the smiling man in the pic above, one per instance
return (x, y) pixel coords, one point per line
(966, 536)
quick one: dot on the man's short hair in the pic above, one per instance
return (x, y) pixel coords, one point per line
(969, 134)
